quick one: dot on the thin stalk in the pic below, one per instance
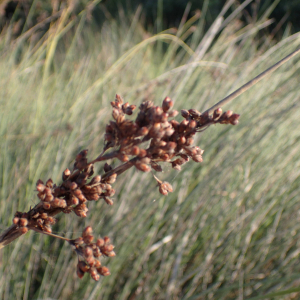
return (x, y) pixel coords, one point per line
(252, 82)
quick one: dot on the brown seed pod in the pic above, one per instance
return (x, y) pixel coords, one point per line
(142, 153)
(135, 150)
(185, 113)
(48, 198)
(167, 104)
(217, 113)
(100, 242)
(16, 220)
(83, 266)
(47, 228)
(49, 183)
(40, 187)
(111, 179)
(88, 251)
(104, 271)
(66, 173)
(107, 167)
(97, 262)
(95, 179)
(142, 167)
(23, 230)
(79, 272)
(46, 205)
(108, 200)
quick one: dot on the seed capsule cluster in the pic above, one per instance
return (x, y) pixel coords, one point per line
(154, 137)
(90, 252)
(77, 188)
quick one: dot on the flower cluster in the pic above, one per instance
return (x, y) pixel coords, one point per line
(90, 253)
(155, 136)
(152, 138)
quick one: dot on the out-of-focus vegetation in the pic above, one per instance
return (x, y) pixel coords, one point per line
(285, 13)
(230, 229)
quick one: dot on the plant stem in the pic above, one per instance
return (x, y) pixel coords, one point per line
(252, 82)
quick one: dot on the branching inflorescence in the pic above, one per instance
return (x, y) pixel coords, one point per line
(153, 138)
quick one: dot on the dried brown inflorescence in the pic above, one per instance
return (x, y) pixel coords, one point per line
(90, 253)
(153, 138)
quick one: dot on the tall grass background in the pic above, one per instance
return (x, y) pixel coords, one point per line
(230, 229)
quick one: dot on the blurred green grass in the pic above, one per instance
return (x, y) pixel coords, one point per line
(230, 229)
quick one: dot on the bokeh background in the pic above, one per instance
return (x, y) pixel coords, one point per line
(231, 228)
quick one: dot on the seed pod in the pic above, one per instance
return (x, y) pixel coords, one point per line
(46, 205)
(79, 241)
(97, 262)
(173, 113)
(123, 157)
(23, 230)
(40, 187)
(185, 113)
(217, 113)
(194, 113)
(88, 239)
(142, 153)
(55, 202)
(83, 266)
(41, 196)
(142, 167)
(95, 179)
(183, 125)
(175, 124)
(40, 222)
(189, 141)
(48, 198)
(100, 242)
(108, 201)
(107, 167)
(182, 140)
(66, 173)
(16, 220)
(171, 146)
(88, 251)
(167, 104)
(73, 186)
(94, 274)
(108, 248)
(115, 113)
(165, 157)
(234, 119)
(109, 193)
(49, 183)
(192, 124)
(50, 220)
(135, 150)
(143, 131)
(156, 167)
(79, 273)
(197, 158)
(111, 254)
(163, 191)
(104, 271)
(228, 114)
(44, 215)
(119, 99)
(111, 179)
(93, 197)
(47, 229)
(81, 155)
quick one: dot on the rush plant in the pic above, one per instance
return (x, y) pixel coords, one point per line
(148, 142)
